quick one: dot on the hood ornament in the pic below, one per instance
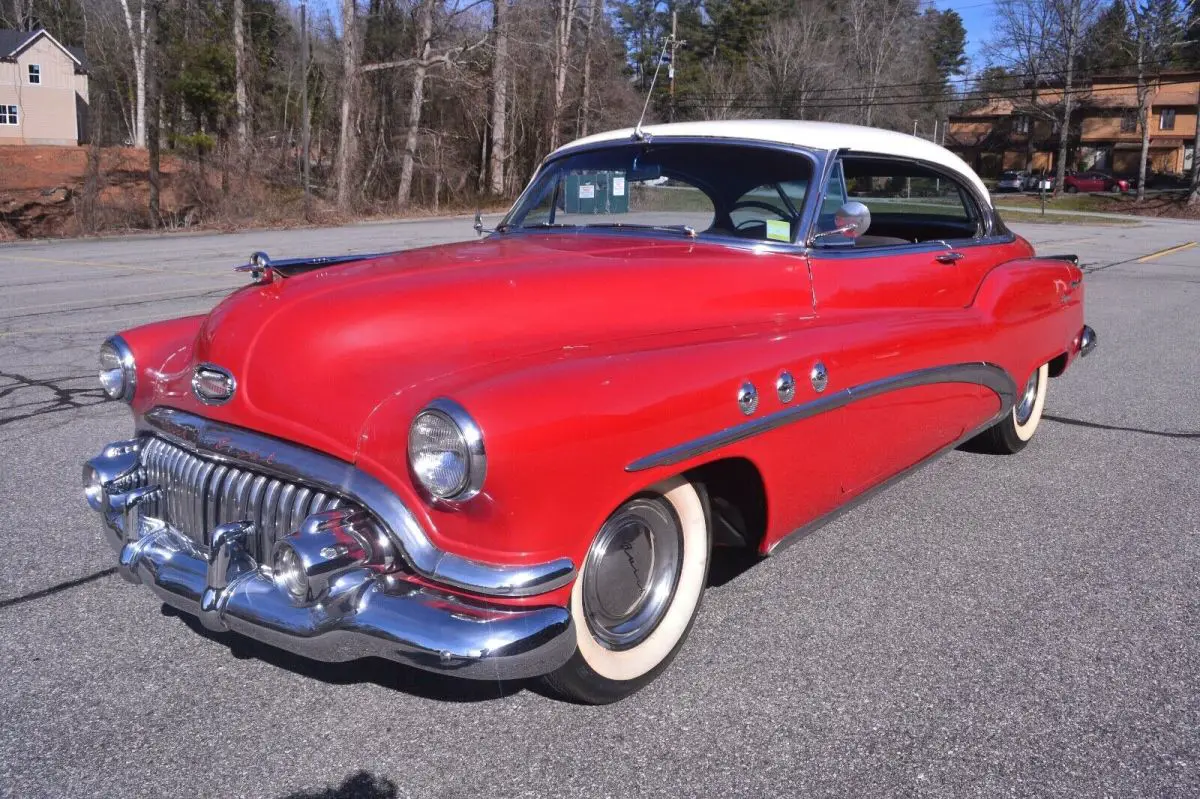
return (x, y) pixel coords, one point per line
(212, 384)
(259, 267)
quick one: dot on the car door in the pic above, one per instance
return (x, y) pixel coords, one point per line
(902, 309)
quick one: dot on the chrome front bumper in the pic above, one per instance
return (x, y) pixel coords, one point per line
(363, 611)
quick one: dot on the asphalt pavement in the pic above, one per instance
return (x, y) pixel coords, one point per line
(991, 626)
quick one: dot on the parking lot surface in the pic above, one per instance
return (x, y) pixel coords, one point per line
(1025, 625)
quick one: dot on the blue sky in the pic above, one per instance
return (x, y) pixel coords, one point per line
(976, 14)
(977, 18)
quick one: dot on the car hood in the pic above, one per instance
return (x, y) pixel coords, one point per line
(314, 354)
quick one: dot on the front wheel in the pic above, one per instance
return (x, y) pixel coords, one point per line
(1013, 432)
(637, 594)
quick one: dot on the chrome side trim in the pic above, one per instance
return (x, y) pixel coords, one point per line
(238, 446)
(980, 373)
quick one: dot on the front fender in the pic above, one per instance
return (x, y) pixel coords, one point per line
(561, 431)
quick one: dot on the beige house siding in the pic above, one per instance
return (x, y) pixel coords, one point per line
(48, 110)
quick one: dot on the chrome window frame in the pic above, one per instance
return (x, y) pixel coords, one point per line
(990, 229)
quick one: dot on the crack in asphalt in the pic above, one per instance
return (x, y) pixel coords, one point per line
(42, 593)
(63, 398)
(131, 303)
(1119, 428)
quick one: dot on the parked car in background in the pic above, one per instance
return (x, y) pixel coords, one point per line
(1039, 182)
(1011, 180)
(517, 457)
(1093, 181)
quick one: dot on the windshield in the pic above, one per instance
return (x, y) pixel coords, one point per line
(718, 190)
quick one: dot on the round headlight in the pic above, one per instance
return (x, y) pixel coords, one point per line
(445, 451)
(118, 376)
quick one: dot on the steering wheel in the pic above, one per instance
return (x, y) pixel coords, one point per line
(759, 205)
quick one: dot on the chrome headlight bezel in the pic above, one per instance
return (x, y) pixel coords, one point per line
(470, 439)
(123, 369)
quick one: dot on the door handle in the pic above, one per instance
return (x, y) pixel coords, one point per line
(948, 257)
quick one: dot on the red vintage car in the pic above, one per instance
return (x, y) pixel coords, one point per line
(517, 457)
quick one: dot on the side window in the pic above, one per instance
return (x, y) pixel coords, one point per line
(909, 202)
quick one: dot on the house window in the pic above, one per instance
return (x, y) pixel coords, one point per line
(1166, 119)
(35, 73)
(8, 114)
(1021, 124)
(1129, 122)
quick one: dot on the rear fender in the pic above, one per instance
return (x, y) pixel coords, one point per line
(1033, 312)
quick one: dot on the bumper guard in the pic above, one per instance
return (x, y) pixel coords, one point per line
(362, 612)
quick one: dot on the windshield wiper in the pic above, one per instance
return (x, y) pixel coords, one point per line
(686, 229)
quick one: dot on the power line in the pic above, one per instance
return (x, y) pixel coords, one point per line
(759, 103)
(1117, 66)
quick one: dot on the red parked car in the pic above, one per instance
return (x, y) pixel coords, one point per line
(517, 457)
(1093, 181)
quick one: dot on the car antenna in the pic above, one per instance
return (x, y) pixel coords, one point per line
(637, 129)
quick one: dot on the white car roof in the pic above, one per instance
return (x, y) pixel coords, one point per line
(814, 135)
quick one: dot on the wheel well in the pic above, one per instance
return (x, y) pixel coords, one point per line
(738, 501)
(1058, 365)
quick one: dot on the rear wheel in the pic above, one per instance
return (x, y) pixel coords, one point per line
(637, 594)
(1072, 190)
(1013, 432)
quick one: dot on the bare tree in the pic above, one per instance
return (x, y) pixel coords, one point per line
(1039, 42)
(347, 153)
(564, 17)
(239, 56)
(595, 9)
(1157, 29)
(137, 47)
(796, 55)
(152, 128)
(876, 40)
(499, 117)
(415, 99)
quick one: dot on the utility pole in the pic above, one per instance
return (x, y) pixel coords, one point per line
(672, 44)
(304, 145)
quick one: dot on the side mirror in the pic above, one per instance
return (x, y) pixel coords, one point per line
(850, 221)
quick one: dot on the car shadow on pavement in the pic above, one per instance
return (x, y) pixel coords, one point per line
(384, 673)
(360, 785)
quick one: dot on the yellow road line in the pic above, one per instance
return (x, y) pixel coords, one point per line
(1177, 248)
(69, 306)
(60, 262)
(122, 323)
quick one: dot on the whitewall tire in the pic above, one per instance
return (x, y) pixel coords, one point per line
(637, 593)
(1014, 431)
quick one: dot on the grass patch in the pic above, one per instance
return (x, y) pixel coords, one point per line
(1050, 218)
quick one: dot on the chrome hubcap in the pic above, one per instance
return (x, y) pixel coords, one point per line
(1024, 409)
(630, 573)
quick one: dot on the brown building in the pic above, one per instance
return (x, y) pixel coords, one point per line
(1004, 134)
(43, 90)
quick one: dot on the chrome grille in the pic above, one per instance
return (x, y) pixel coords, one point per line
(199, 494)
